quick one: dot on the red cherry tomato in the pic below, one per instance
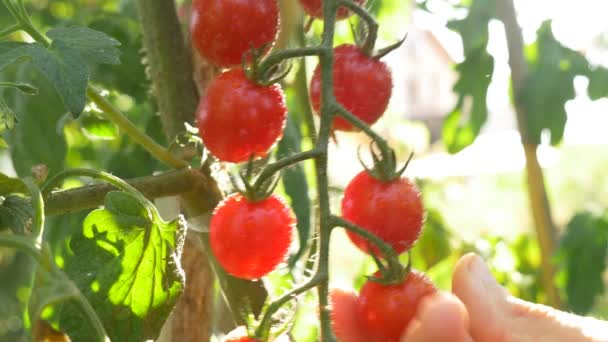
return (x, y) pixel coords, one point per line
(386, 310)
(222, 31)
(238, 117)
(250, 239)
(314, 8)
(391, 210)
(363, 85)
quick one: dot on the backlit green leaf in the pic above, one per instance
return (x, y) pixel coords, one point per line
(582, 252)
(127, 264)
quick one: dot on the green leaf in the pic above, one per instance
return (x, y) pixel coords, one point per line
(294, 182)
(463, 124)
(582, 253)
(98, 128)
(95, 46)
(35, 139)
(7, 115)
(65, 68)
(10, 185)
(549, 86)
(15, 214)
(10, 52)
(598, 83)
(128, 267)
(474, 27)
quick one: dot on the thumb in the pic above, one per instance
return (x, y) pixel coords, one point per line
(497, 316)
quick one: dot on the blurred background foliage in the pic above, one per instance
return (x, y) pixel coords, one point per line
(451, 104)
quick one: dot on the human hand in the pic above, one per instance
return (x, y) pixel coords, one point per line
(480, 310)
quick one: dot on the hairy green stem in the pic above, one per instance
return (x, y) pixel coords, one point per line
(282, 55)
(280, 164)
(171, 183)
(23, 244)
(370, 21)
(106, 177)
(328, 101)
(264, 327)
(123, 123)
(388, 253)
(10, 29)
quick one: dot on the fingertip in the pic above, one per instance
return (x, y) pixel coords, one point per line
(441, 317)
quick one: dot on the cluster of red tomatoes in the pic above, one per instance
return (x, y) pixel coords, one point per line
(239, 117)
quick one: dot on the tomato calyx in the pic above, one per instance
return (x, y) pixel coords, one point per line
(252, 62)
(386, 50)
(392, 273)
(252, 187)
(385, 162)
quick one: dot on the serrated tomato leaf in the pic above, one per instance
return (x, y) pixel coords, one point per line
(95, 46)
(127, 264)
(463, 124)
(65, 68)
(582, 253)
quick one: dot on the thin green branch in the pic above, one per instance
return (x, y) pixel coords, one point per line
(123, 123)
(280, 164)
(171, 183)
(328, 101)
(106, 177)
(264, 327)
(10, 29)
(23, 244)
(388, 253)
(360, 124)
(280, 56)
(370, 21)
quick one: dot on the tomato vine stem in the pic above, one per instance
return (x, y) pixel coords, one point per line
(372, 25)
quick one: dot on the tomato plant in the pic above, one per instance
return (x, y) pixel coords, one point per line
(238, 118)
(399, 202)
(362, 84)
(223, 31)
(250, 239)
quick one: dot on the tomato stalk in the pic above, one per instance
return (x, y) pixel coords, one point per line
(329, 109)
(370, 21)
